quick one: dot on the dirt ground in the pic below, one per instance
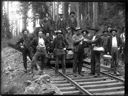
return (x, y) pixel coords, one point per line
(14, 79)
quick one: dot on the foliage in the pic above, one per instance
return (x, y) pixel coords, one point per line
(114, 15)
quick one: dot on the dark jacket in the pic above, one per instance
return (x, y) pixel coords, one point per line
(76, 41)
(60, 42)
(61, 25)
(72, 23)
(82, 46)
(110, 43)
(25, 40)
(105, 42)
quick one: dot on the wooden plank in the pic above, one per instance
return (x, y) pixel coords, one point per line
(63, 85)
(103, 85)
(97, 82)
(57, 82)
(119, 93)
(71, 92)
(91, 79)
(67, 88)
(106, 89)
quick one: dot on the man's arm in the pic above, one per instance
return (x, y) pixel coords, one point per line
(21, 40)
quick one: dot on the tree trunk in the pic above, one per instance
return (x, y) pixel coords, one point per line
(78, 17)
(66, 10)
(95, 14)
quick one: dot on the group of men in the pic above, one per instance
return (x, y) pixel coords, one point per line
(38, 46)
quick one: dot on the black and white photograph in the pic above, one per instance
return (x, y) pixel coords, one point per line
(63, 48)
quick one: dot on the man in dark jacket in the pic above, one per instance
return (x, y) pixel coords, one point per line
(25, 47)
(95, 55)
(72, 22)
(114, 43)
(77, 38)
(81, 52)
(60, 44)
(105, 38)
(61, 24)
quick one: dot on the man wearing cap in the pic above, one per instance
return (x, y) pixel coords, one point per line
(59, 46)
(40, 44)
(114, 43)
(77, 38)
(61, 24)
(72, 22)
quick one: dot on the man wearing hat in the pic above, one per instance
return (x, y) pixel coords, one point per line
(77, 38)
(40, 43)
(105, 38)
(95, 55)
(114, 43)
(23, 45)
(59, 46)
(61, 24)
(72, 22)
(69, 38)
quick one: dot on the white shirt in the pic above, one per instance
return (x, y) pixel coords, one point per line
(37, 23)
(122, 36)
(114, 41)
(93, 38)
(41, 42)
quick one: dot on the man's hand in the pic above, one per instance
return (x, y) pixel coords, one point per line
(64, 48)
(81, 42)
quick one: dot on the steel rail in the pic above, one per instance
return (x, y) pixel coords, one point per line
(81, 89)
(121, 80)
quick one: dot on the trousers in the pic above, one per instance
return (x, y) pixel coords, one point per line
(39, 58)
(95, 62)
(62, 58)
(114, 64)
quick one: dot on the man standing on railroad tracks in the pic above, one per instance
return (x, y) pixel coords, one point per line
(80, 54)
(77, 38)
(40, 43)
(59, 45)
(23, 45)
(114, 43)
(96, 42)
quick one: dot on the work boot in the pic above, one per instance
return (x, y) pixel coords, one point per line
(81, 74)
(63, 71)
(117, 73)
(56, 73)
(75, 74)
(91, 73)
(97, 75)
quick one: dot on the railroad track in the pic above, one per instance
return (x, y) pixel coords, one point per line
(88, 84)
